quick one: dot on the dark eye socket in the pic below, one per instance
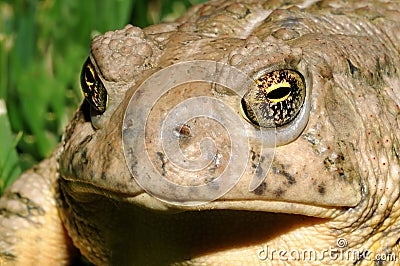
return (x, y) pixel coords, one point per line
(276, 98)
(92, 87)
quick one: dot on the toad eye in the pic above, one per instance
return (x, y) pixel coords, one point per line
(92, 87)
(275, 99)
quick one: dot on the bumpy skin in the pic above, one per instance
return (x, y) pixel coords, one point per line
(338, 179)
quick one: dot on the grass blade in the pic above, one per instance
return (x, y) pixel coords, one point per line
(9, 166)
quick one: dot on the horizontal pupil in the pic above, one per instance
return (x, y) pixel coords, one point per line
(89, 75)
(278, 93)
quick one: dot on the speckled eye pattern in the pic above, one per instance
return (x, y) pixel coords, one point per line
(275, 99)
(92, 87)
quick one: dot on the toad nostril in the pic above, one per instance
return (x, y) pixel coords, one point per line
(183, 131)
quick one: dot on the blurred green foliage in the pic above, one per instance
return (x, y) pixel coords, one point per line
(43, 44)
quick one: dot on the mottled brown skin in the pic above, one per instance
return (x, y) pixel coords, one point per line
(338, 179)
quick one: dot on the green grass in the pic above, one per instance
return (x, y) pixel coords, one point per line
(43, 44)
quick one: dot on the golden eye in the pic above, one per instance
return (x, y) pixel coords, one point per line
(92, 87)
(275, 99)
